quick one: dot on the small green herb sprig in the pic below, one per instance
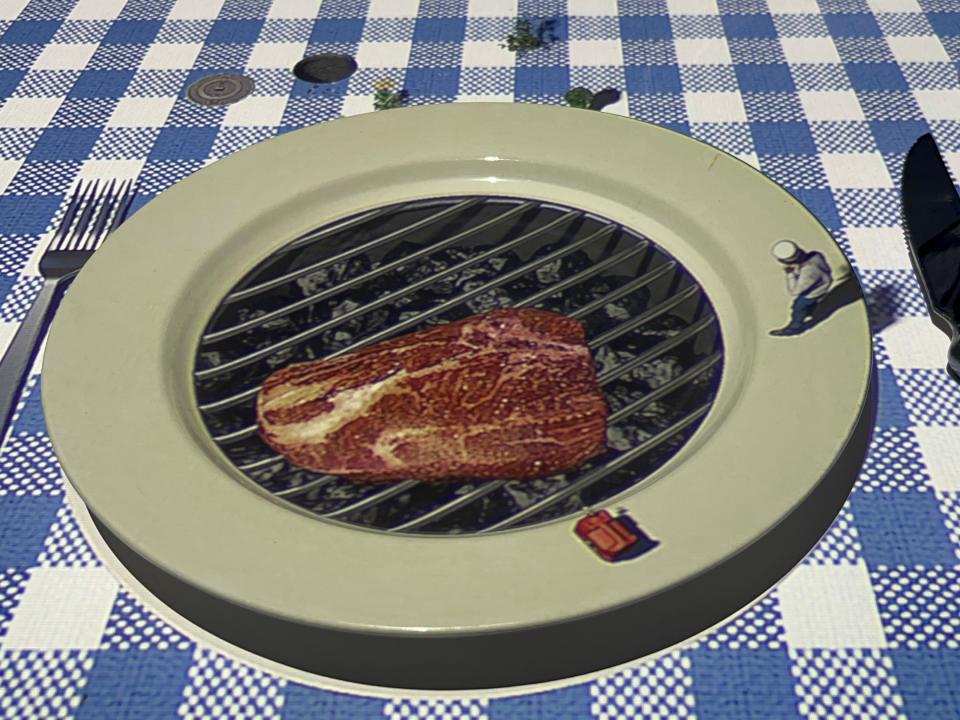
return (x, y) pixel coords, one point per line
(578, 97)
(386, 96)
(522, 38)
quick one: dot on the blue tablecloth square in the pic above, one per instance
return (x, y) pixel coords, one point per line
(27, 215)
(876, 76)
(24, 523)
(783, 138)
(29, 32)
(743, 685)
(9, 79)
(652, 79)
(896, 136)
(132, 32)
(749, 26)
(539, 80)
(235, 31)
(301, 702)
(571, 703)
(928, 680)
(910, 531)
(101, 83)
(442, 82)
(645, 27)
(856, 25)
(141, 684)
(340, 30)
(769, 77)
(945, 23)
(57, 143)
(439, 30)
(185, 143)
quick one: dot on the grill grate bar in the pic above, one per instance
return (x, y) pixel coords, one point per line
(232, 437)
(665, 389)
(624, 290)
(312, 237)
(582, 275)
(370, 275)
(301, 489)
(230, 401)
(599, 473)
(657, 310)
(409, 289)
(372, 500)
(656, 350)
(259, 464)
(458, 502)
(352, 252)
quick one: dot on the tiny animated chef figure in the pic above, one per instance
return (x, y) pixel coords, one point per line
(808, 281)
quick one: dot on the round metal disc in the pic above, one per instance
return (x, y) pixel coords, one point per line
(220, 89)
(325, 68)
(732, 512)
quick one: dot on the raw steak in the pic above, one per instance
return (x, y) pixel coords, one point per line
(509, 394)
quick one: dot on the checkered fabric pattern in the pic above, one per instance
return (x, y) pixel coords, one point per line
(824, 96)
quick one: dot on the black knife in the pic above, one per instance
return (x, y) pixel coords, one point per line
(931, 218)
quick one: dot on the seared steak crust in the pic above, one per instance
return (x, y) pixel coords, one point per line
(509, 394)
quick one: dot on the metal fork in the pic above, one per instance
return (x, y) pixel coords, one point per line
(93, 213)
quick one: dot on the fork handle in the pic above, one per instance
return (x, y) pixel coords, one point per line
(19, 356)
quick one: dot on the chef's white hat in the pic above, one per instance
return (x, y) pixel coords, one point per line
(785, 251)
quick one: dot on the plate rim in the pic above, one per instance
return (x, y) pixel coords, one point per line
(134, 517)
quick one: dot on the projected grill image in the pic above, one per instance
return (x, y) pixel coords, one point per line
(651, 329)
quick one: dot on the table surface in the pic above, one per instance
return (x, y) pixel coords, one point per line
(824, 97)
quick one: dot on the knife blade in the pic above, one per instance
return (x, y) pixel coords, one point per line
(931, 218)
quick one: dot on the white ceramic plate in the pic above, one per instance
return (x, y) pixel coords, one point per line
(733, 511)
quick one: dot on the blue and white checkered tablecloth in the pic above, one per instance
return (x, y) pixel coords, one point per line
(825, 97)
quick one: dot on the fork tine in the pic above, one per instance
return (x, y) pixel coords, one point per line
(124, 205)
(67, 220)
(82, 195)
(83, 222)
(91, 240)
